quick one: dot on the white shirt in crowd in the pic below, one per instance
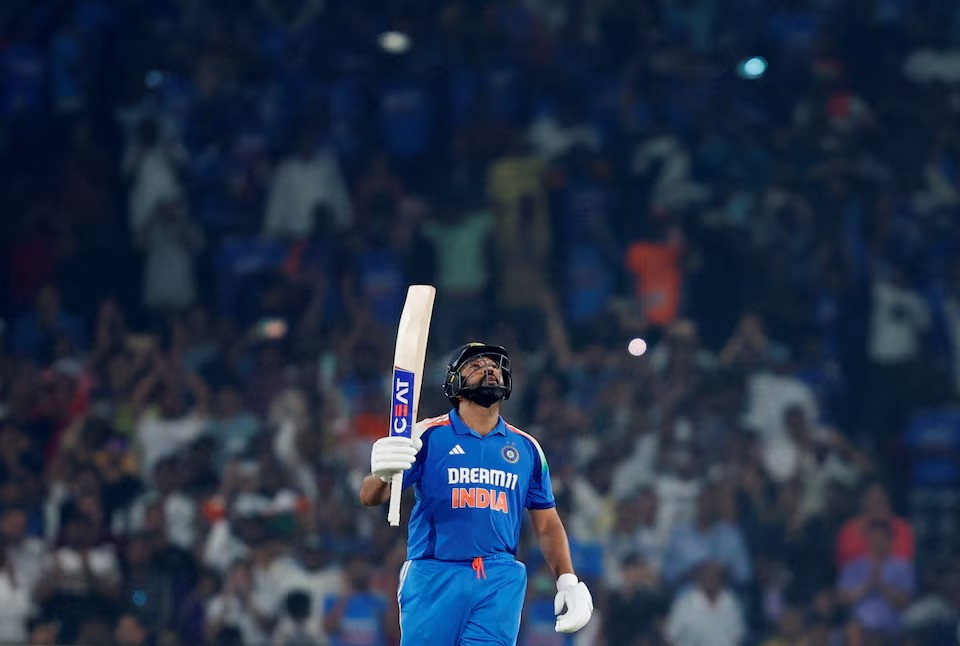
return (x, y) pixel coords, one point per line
(179, 513)
(299, 186)
(159, 437)
(170, 247)
(898, 319)
(229, 610)
(677, 499)
(320, 585)
(28, 558)
(769, 396)
(695, 621)
(15, 607)
(222, 548)
(67, 566)
(638, 468)
(550, 139)
(153, 181)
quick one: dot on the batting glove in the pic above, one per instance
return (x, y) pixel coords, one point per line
(393, 455)
(573, 595)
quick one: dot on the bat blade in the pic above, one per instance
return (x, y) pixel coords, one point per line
(408, 359)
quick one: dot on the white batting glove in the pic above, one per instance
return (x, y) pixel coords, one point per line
(572, 594)
(393, 455)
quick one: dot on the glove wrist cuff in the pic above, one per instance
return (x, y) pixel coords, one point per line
(568, 580)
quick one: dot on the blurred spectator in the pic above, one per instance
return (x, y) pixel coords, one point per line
(31, 256)
(537, 624)
(823, 457)
(639, 534)
(45, 632)
(655, 263)
(170, 242)
(677, 485)
(191, 616)
(81, 579)
(460, 237)
(380, 193)
(358, 614)
(770, 393)
(152, 167)
(749, 348)
(233, 608)
(16, 603)
(853, 542)
(308, 177)
(560, 130)
(934, 615)
(708, 537)
(790, 630)
(231, 425)
(318, 575)
(522, 234)
(25, 556)
(293, 630)
(41, 333)
(878, 586)
(167, 422)
(638, 604)
(707, 612)
(130, 632)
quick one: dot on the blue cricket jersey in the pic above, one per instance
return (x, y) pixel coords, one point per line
(471, 490)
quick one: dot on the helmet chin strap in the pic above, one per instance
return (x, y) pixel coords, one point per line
(485, 396)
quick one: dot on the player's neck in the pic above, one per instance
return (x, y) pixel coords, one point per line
(480, 419)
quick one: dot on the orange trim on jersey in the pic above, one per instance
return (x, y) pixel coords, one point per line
(523, 433)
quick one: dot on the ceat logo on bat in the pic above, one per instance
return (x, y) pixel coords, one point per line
(401, 414)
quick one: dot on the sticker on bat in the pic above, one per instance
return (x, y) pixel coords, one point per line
(401, 413)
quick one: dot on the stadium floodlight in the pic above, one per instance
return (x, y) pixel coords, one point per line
(752, 68)
(394, 42)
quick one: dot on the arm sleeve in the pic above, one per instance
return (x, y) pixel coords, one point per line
(412, 475)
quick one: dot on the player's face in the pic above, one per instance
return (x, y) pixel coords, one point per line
(482, 371)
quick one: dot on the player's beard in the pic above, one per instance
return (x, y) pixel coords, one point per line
(485, 396)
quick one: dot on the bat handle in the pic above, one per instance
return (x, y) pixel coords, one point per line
(396, 489)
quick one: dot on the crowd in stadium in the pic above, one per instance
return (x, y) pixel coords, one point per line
(213, 208)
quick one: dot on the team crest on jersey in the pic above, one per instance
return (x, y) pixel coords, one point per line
(510, 454)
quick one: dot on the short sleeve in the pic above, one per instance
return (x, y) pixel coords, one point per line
(540, 492)
(412, 475)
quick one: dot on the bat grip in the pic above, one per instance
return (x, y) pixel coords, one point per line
(396, 489)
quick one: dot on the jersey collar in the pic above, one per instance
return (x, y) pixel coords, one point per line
(460, 427)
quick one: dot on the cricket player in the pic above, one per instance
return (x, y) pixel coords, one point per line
(473, 475)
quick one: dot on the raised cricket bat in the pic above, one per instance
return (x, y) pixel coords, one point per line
(408, 361)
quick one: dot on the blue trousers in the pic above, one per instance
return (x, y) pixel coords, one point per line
(445, 603)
